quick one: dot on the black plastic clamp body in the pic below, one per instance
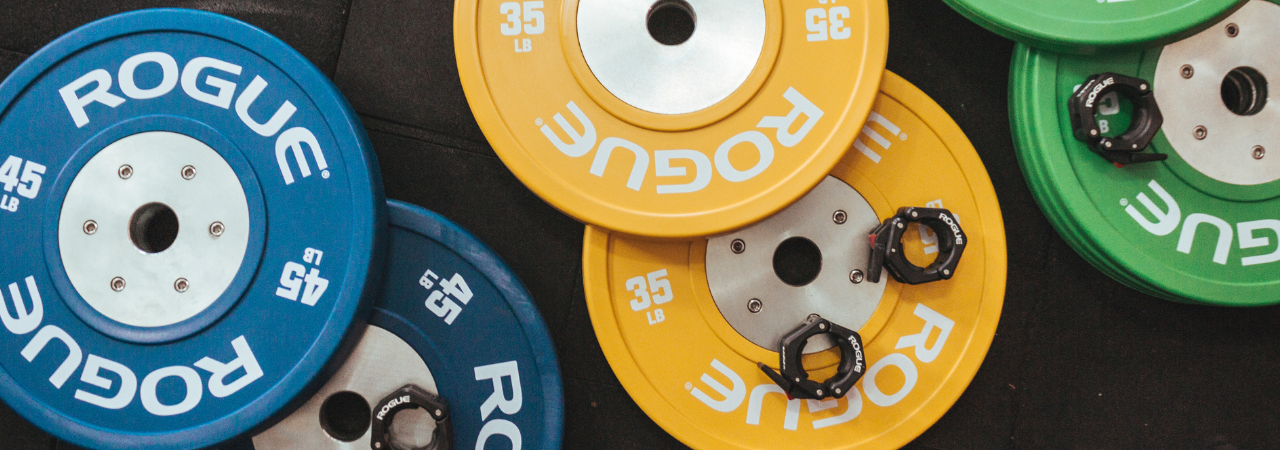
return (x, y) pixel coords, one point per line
(410, 396)
(1145, 122)
(794, 380)
(886, 246)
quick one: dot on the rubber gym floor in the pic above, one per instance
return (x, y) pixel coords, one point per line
(1079, 361)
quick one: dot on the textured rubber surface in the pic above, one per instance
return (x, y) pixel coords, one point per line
(1067, 332)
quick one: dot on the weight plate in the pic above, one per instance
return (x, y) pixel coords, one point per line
(177, 282)
(702, 136)
(477, 341)
(683, 324)
(1200, 226)
(1090, 27)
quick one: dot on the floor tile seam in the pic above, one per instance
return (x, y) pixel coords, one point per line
(342, 39)
(16, 52)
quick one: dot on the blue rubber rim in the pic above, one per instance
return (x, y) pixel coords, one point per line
(437, 228)
(366, 198)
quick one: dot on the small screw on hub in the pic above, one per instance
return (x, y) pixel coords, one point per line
(856, 276)
(754, 305)
(1188, 71)
(125, 172)
(188, 172)
(1201, 132)
(181, 285)
(117, 284)
(216, 229)
(1232, 30)
(839, 217)
(90, 227)
(738, 246)
(1259, 152)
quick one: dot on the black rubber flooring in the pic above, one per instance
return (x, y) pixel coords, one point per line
(1079, 361)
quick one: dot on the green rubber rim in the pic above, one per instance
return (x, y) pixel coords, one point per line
(1031, 164)
(1087, 27)
(1080, 193)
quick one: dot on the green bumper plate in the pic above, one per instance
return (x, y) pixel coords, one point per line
(1088, 26)
(1202, 226)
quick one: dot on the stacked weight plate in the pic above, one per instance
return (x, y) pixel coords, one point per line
(178, 286)
(1090, 27)
(444, 297)
(733, 168)
(1199, 222)
(684, 324)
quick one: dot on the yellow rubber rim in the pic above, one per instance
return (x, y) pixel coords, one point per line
(513, 95)
(653, 365)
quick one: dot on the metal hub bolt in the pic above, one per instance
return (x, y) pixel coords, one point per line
(1188, 71)
(188, 172)
(216, 229)
(839, 217)
(117, 284)
(125, 172)
(1233, 30)
(1201, 132)
(856, 276)
(738, 246)
(1259, 152)
(90, 227)
(181, 285)
(754, 305)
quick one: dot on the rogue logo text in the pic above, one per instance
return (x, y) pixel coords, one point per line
(100, 79)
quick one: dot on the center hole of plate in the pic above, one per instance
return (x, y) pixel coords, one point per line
(671, 22)
(345, 416)
(411, 428)
(797, 261)
(153, 227)
(1244, 91)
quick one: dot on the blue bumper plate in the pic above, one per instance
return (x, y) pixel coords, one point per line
(455, 324)
(193, 214)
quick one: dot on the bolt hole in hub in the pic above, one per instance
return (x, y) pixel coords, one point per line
(797, 261)
(1244, 91)
(153, 227)
(345, 416)
(790, 277)
(671, 22)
